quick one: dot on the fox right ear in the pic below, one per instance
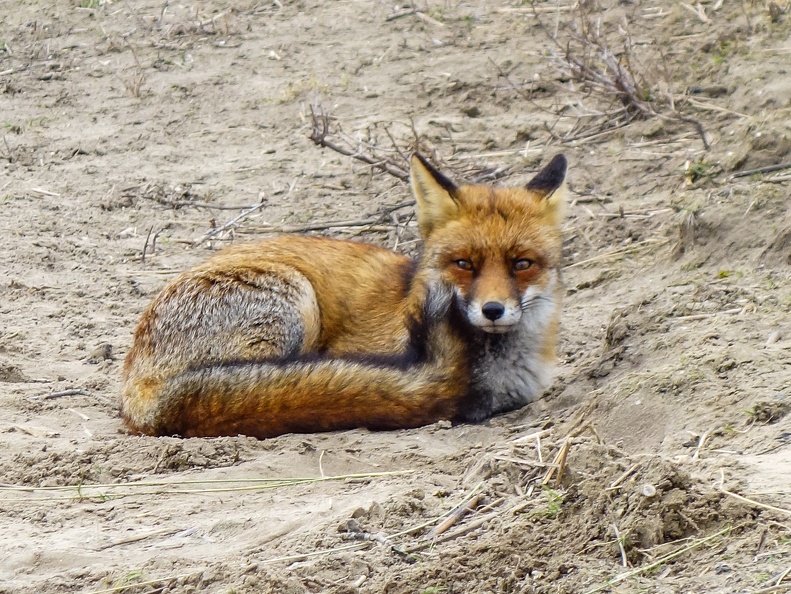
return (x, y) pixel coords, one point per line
(434, 193)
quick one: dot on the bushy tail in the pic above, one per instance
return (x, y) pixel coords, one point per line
(269, 398)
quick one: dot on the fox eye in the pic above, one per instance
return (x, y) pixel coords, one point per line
(523, 264)
(463, 264)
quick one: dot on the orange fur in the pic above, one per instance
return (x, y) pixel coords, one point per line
(303, 334)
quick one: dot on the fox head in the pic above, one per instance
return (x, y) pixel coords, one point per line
(499, 248)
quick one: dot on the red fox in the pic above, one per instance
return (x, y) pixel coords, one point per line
(308, 334)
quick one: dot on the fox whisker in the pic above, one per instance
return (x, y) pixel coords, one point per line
(534, 302)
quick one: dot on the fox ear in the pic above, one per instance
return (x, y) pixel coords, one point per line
(550, 178)
(436, 204)
(549, 184)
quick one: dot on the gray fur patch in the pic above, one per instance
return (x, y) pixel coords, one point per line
(254, 317)
(508, 370)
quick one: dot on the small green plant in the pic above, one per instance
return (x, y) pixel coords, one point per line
(128, 579)
(437, 14)
(722, 51)
(697, 171)
(554, 499)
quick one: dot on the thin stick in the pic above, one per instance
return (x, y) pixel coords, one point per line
(232, 223)
(710, 107)
(145, 245)
(87, 491)
(782, 576)
(767, 169)
(490, 506)
(531, 463)
(558, 464)
(530, 436)
(324, 225)
(317, 226)
(756, 503)
(456, 515)
(67, 392)
(618, 539)
(504, 74)
(44, 192)
(697, 11)
(453, 535)
(303, 556)
(400, 13)
(419, 527)
(146, 583)
(538, 9)
(701, 442)
(427, 19)
(777, 587)
(709, 315)
(11, 156)
(79, 414)
(139, 537)
(287, 480)
(196, 204)
(617, 482)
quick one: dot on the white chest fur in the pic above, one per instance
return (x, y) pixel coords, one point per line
(511, 370)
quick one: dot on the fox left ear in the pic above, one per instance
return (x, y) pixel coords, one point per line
(436, 204)
(550, 178)
(549, 184)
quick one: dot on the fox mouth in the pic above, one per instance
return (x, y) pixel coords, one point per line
(492, 328)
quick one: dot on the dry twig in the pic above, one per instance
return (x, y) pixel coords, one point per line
(67, 392)
(323, 129)
(393, 160)
(456, 515)
(589, 59)
(766, 169)
(230, 224)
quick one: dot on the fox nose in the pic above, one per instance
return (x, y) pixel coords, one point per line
(493, 310)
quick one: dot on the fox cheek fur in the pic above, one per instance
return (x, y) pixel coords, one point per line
(305, 334)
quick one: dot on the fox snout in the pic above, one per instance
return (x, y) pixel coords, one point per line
(493, 316)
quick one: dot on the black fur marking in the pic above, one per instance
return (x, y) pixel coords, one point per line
(550, 177)
(415, 353)
(478, 404)
(441, 179)
(402, 361)
(408, 273)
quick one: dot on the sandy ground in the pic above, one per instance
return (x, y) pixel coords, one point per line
(133, 131)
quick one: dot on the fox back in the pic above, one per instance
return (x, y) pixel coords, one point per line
(303, 334)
